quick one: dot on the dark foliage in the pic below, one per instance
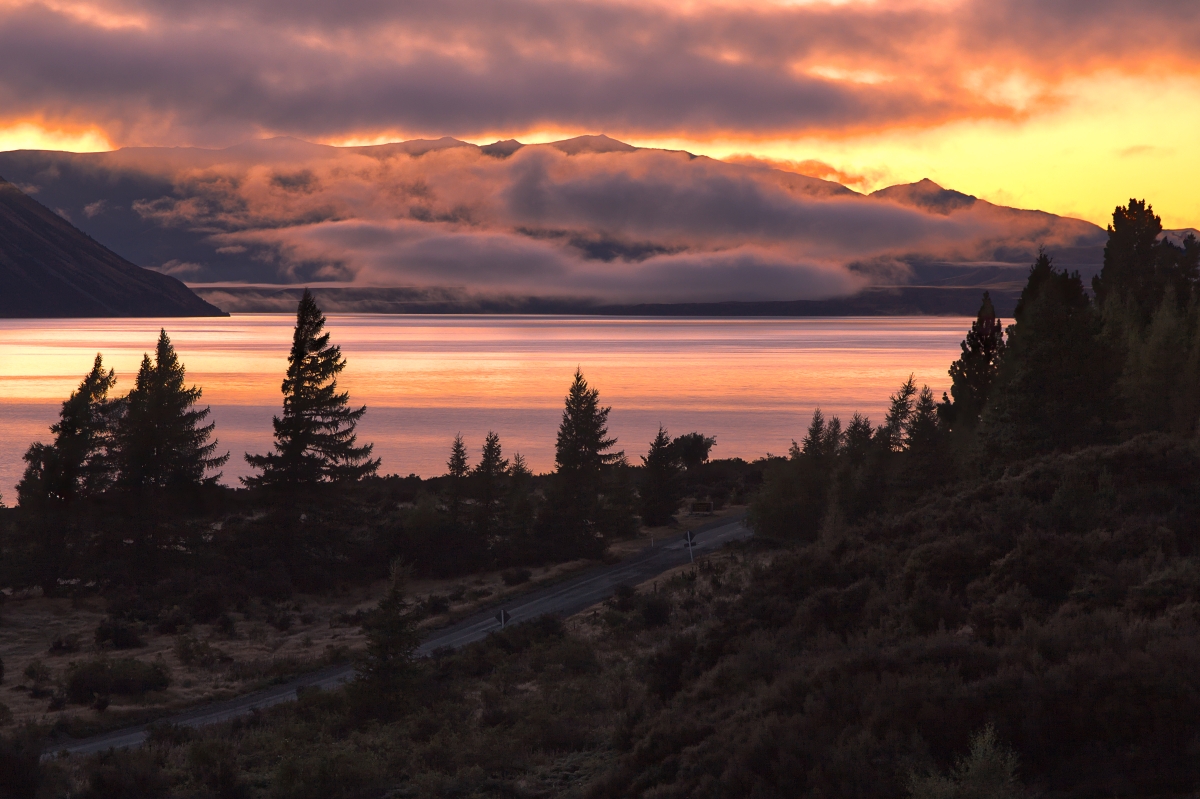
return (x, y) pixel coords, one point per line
(972, 374)
(844, 669)
(661, 487)
(1056, 385)
(315, 440)
(79, 464)
(120, 676)
(160, 438)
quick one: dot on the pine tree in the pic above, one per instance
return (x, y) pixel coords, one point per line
(315, 438)
(160, 436)
(573, 520)
(1055, 386)
(581, 449)
(813, 444)
(895, 424)
(519, 470)
(972, 374)
(857, 439)
(489, 477)
(457, 466)
(661, 489)
(386, 667)
(79, 463)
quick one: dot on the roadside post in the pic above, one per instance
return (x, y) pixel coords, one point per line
(691, 542)
(503, 617)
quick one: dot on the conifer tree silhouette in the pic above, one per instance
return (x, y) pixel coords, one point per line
(972, 374)
(315, 440)
(79, 463)
(161, 438)
(661, 490)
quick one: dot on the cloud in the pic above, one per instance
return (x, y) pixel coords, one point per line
(220, 72)
(606, 222)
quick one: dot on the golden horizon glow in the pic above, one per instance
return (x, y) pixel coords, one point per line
(1115, 138)
(36, 135)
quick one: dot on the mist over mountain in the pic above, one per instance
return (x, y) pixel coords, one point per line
(585, 220)
(49, 268)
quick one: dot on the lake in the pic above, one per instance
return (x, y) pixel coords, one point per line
(752, 383)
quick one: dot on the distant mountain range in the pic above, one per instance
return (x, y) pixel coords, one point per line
(241, 222)
(49, 268)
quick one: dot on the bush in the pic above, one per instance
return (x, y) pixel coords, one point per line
(214, 764)
(118, 634)
(173, 621)
(124, 677)
(21, 772)
(124, 774)
(65, 645)
(37, 672)
(655, 610)
(193, 652)
(338, 773)
(513, 577)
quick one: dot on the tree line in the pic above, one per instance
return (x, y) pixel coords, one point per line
(1074, 369)
(144, 467)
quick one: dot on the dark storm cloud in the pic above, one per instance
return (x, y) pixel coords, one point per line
(221, 71)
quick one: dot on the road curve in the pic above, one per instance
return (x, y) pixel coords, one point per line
(563, 599)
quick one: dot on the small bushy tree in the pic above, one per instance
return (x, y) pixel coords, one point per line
(315, 440)
(661, 488)
(386, 666)
(989, 771)
(693, 449)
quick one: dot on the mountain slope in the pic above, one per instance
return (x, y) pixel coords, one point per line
(49, 268)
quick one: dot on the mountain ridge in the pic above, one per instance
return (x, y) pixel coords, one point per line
(49, 268)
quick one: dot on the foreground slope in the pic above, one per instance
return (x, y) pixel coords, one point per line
(49, 268)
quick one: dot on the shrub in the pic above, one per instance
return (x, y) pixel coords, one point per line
(118, 634)
(194, 652)
(655, 610)
(124, 774)
(329, 774)
(21, 771)
(124, 677)
(213, 764)
(434, 605)
(513, 577)
(173, 621)
(65, 645)
(988, 772)
(37, 672)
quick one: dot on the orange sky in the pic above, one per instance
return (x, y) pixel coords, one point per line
(1070, 106)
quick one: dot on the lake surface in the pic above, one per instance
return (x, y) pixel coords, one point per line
(752, 383)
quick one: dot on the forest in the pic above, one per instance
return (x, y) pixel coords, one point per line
(991, 594)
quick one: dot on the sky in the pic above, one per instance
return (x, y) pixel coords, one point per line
(1068, 106)
(1064, 105)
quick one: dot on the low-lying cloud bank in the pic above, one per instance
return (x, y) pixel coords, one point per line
(590, 217)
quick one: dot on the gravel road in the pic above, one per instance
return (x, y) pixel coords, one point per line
(564, 599)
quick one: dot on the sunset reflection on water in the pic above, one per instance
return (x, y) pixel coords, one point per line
(750, 382)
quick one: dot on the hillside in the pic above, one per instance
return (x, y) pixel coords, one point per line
(49, 268)
(589, 222)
